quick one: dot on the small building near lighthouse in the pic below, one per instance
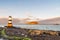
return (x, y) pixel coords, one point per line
(32, 20)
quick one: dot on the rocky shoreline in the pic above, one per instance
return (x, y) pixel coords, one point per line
(20, 34)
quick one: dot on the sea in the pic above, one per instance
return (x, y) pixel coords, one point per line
(38, 27)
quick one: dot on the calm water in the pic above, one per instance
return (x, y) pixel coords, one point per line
(40, 27)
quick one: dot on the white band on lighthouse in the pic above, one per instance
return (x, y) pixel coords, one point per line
(10, 18)
(10, 22)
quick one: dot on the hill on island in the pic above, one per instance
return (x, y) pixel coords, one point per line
(51, 21)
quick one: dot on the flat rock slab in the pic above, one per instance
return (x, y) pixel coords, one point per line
(46, 38)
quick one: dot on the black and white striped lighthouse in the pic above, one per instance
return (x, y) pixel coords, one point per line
(10, 22)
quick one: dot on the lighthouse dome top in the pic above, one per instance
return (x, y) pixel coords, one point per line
(10, 16)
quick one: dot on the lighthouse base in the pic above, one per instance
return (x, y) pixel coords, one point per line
(9, 26)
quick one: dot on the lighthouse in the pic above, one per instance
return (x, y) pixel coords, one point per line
(10, 22)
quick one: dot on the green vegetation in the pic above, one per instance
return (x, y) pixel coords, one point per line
(26, 39)
(13, 37)
(3, 32)
(22, 38)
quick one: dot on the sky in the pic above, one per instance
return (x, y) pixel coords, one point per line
(24, 8)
